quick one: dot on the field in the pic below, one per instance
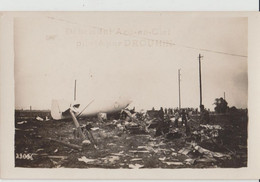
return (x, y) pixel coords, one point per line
(120, 144)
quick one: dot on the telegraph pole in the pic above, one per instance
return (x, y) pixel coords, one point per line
(200, 81)
(75, 87)
(179, 81)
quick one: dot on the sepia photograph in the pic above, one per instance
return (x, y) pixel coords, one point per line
(130, 90)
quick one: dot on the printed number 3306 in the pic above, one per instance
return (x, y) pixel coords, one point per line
(24, 156)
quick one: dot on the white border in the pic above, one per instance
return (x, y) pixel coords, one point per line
(129, 5)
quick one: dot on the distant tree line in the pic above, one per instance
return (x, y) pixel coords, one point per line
(221, 106)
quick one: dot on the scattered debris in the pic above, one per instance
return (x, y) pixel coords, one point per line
(95, 128)
(174, 163)
(110, 159)
(57, 157)
(67, 144)
(131, 142)
(162, 159)
(136, 159)
(190, 161)
(174, 154)
(111, 144)
(86, 160)
(86, 142)
(138, 151)
(38, 150)
(102, 117)
(174, 134)
(119, 153)
(184, 151)
(212, 127)
(22, 122)
(209, 153)
(135, 166)
(39, 118)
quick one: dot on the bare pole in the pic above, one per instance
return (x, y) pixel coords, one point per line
(31, 115)
(224, 96)
(200, 80)
(83, 137)
(179, 81)
(75, 88)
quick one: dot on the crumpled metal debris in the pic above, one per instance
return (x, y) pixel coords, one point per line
(22, 122)
(212, 127)
(174, 163)
(135, 166)
(39, 118)
(209, 153)
(110, 159)
(86, 160)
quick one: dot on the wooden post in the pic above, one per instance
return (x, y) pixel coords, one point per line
(82, 136)
(200, 80)
(75, 89)
(179, 80)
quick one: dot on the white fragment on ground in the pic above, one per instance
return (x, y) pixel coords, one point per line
(184, 151)
(166, 150)
(86, 142)
(119, 153)
(95, 128)
(22, 122)
(174, 163)
(189, 161)
(161, 144)
(55, 151)
(136, 159)
(174, 154)
(111, 144)
(29, 129)
(212, 127)
(149, 148)
(135, 166)
(38, 150)
(39, 118)
(86, 160)
(140, 151)
(209, 153)
(111, 159)
(162, 158)
(141, 147)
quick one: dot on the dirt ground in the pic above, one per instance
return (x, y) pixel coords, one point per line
(36, 145)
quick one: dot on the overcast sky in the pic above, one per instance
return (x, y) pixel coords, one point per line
(130, 54)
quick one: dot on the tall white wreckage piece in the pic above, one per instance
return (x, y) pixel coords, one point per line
(60, 109)
(64, 110)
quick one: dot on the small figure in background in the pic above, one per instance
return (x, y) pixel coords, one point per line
(184, 117)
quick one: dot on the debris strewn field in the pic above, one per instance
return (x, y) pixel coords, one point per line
(133, 144)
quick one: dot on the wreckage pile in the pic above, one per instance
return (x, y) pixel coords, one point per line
(151, 139)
